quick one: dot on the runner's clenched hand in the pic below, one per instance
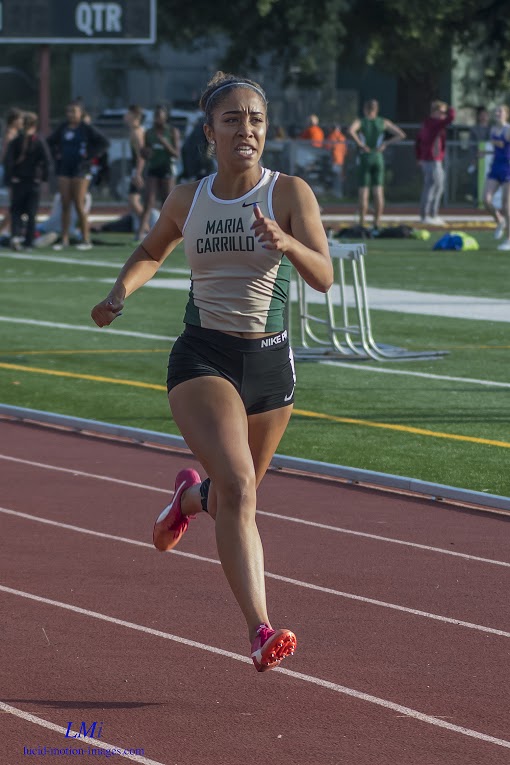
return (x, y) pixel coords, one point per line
(105, 312)
(269, 233)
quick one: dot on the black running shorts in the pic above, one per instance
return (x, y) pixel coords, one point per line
(262, 371)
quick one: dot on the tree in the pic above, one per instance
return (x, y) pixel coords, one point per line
(488, 38)
(412, 41)
(303, 37)
(415, 43)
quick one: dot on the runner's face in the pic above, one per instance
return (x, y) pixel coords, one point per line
(239, 128)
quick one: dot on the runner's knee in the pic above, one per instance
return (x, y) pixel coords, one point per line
(236, 492)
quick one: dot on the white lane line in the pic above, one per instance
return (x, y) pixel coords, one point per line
(83, 739)
(81, 474)
(409, 373)
(84, 328)
(56, 259)
(290, 519)
(79, 262)
(378, 538)
(269, 575)
(385, 703)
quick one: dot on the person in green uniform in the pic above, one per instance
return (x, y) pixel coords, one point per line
(372, 135)
(161, 152)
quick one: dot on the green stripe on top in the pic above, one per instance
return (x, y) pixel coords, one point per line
(192, 313)
(276, 312)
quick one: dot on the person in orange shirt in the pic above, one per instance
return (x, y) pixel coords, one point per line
(336, 144)
(313, 132)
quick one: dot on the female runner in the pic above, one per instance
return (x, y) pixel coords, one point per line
(231, 374)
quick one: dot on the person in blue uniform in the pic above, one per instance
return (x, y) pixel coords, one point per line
(499, 176)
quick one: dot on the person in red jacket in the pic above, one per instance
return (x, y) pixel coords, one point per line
(430, 153)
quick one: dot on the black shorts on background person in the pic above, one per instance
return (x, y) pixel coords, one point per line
(26, 167)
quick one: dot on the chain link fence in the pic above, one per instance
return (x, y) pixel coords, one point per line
(403, 176)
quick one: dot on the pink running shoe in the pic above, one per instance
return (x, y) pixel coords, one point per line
(171, 523)
(271, 646)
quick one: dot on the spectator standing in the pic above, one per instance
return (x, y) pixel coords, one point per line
(134, 119)
(279, 133)
(197, 161)
(161, 151)
(369, 135)
(499, 176)
(430, 153)
(49, 230)
(313, 132)
(13, 125)
(479, 133)
(336, 143)
(26, 167)
(99, 175)
(74, 144)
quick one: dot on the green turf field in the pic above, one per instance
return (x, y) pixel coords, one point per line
(450, 431)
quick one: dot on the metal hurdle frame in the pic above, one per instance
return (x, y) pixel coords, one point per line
(347, 340)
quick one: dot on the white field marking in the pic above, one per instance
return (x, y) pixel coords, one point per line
(426, 375)
(366, 535)
(79, 262)
(165, 283)
(386, 704)
(61, 260)
(364, 367)
(269, 575)
(85, 739)
(314, 524)
(83, 328)
(85, 475)
(397, 301)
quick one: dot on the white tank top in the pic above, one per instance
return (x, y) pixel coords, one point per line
(236, 284)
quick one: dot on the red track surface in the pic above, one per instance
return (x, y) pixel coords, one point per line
(154, 690)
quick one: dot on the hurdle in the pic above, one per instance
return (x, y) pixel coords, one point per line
(352, 338)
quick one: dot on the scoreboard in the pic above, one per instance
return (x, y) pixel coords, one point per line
(128, 22)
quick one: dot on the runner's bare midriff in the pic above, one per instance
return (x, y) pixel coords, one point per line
(249, 335)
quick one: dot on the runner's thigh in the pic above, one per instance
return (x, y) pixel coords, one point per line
(213, 422)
